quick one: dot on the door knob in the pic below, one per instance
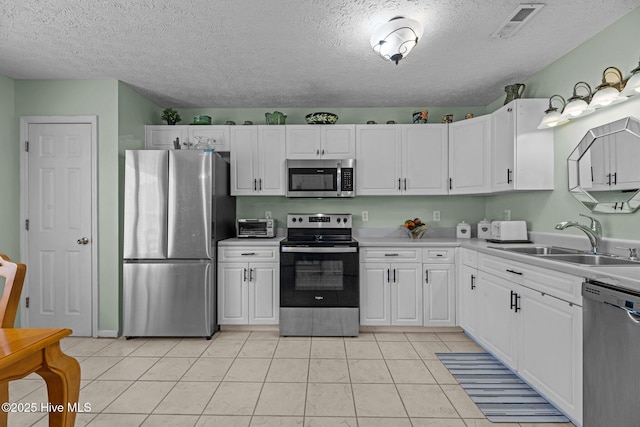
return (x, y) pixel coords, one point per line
(83, 241)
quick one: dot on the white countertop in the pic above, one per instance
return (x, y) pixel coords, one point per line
(627, 277)
(251, 241)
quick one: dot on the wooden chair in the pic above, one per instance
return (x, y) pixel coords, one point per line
(14, 279)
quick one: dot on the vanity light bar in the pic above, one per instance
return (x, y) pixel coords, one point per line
(613, 90)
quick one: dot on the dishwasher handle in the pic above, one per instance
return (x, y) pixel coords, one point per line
(634, 315)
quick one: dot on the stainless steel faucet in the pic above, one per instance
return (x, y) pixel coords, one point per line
(593, 232)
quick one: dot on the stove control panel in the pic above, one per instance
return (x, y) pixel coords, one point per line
(319, 221)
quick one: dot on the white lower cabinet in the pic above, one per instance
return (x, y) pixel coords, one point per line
(248, 292)
(534, 332)
(416, 289)
(390, 294)
(469, 298)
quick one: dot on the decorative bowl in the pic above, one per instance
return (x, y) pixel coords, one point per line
(321, 118)
(417, 232)
(202, 120)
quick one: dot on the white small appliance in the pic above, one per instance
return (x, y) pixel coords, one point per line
(261, 227)
(508, 231)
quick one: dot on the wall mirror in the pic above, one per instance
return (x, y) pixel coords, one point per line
(604, 169)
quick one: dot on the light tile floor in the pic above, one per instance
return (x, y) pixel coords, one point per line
(260, 379)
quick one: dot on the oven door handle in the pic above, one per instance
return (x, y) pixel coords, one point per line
(321, 250)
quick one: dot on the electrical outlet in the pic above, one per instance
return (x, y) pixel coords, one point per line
(267, 214)
(507, 214)
(436, 215)
(365, 216)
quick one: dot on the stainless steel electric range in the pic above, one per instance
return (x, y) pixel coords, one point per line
(319, 276)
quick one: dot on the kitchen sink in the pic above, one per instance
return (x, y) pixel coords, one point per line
(542, 250)
(589, 259)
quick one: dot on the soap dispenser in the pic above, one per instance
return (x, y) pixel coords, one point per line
(463, 231)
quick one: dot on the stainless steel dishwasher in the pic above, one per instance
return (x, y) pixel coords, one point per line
(611, 332)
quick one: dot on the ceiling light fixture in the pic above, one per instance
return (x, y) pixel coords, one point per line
(394, 40)
(633, 84)
(552, 117)
(578, 105)
(608, 92)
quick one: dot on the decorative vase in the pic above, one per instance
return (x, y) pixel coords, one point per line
(513, 91)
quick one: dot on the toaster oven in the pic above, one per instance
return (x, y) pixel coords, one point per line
(256, 227)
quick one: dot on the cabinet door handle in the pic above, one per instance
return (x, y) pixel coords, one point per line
(405, 183)
(473, 282)
(255, 185)
(398, 183)
(394, 275)
(426, 276)
(323, 151)
(509, 176)
(608, 178)
(450, 183)
(317, 152)
(517, 307)
(391, 254)
(514, 272)
(244, 274)
(513, 300)
(615, 178)
(247, 253)
(260, 184)
(251, 274)
(388, 275)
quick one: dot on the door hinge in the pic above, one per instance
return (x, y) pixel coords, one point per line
(26, 302)
(26, 146)
(26, 224)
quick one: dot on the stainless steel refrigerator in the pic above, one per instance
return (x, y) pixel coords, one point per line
(176, 207)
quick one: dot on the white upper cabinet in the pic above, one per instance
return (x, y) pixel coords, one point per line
(257, 160)
(522, 155)
(321, 141)
(378, 160)
(164, 137)
(424, 159)
(401, 159)
(470, 156)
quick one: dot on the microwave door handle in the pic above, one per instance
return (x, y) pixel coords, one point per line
(339, 178)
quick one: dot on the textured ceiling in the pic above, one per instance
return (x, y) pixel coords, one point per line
(291, 53)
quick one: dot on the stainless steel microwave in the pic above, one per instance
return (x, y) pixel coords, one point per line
(321, 178)
(256, 227)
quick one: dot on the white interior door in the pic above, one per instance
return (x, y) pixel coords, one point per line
(59, 235)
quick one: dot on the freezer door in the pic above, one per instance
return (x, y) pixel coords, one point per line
(168, 299)
(189, 231)
(145, 204)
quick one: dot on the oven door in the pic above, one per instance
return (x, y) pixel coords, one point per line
(319, 276)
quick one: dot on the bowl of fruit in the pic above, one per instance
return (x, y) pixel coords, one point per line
(415, 228)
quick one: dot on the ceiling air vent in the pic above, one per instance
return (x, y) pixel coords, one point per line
(516, 20)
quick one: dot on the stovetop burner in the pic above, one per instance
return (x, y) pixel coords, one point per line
(319, 229)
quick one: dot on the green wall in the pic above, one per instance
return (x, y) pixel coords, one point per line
(384, 212)
(345, 115)
(9, 172)
(616, 45)
(88, 97)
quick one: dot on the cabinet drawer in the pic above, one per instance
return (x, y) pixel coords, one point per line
(438, 255)
(554, 283)
(501, 267)
(249, 254)
(470, 258)
(391, 254)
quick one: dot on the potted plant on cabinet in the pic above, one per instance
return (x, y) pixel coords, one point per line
(171, 116)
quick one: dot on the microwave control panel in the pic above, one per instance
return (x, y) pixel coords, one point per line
(347, 179)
